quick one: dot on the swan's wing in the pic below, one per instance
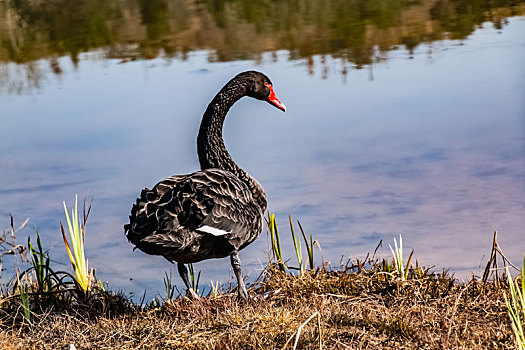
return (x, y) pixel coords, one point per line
(180, 208)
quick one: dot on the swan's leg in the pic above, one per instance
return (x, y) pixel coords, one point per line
(183, 272)
(241, 287)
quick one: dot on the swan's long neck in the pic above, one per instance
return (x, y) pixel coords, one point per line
(210, 144)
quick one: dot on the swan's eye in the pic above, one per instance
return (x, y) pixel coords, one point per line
(268, 85)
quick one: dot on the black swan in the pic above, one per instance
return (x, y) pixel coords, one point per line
(211, 213)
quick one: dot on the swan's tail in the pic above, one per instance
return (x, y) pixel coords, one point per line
(149, 223)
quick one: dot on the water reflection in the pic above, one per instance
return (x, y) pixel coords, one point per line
(432, 148)
(358, 32)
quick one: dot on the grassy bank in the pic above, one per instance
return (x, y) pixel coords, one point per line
(370, 304)
(350, 310)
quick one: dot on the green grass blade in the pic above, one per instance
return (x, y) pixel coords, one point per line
(309, 247)
(276, 242)
(277, 238)
(297, 246)
(271, 227)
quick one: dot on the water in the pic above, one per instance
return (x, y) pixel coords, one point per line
(427, 140)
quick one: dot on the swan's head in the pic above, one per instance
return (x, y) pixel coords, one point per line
(261, 88)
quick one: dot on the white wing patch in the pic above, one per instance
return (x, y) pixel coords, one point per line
(212, 230)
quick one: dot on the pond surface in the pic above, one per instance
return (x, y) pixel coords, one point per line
(408, 118)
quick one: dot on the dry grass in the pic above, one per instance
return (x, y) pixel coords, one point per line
(357, 310)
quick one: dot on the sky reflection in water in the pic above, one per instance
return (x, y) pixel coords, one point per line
(431, 147)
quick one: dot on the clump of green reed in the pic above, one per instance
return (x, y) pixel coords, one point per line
(399, 267)
(77, 232)
(33, 293)
(40, 279)
(38, 286)
(516, 305)
(46, 279)
(276, 245)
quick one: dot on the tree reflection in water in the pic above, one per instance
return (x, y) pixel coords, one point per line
(357, 31)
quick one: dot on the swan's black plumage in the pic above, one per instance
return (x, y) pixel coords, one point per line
(168, 219)
(211, 213)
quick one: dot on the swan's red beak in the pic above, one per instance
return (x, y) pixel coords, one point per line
(272, 99)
